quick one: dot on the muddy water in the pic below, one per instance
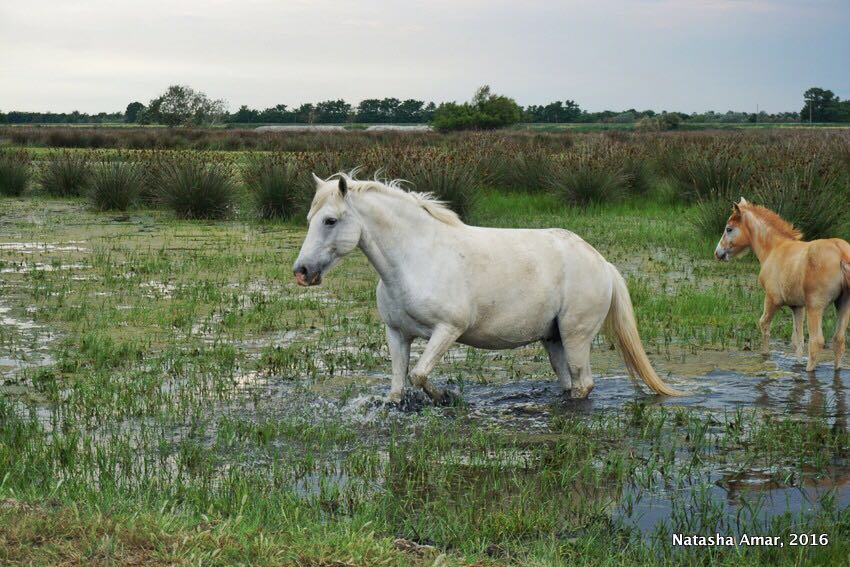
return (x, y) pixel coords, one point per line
(715, 383)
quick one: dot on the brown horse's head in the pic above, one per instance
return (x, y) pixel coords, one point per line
(736, 235)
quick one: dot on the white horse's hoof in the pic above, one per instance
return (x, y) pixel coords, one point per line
(407, 400)
(577, 393)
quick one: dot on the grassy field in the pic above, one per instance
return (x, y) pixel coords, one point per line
(169, 396)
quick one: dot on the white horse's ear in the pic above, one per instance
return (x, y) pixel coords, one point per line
(343, 186)
(317, 180)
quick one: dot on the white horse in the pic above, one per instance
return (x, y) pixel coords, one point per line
(445, 281)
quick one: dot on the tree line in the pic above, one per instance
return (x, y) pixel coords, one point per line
(181, 105)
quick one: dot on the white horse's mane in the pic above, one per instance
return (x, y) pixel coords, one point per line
(394, 187)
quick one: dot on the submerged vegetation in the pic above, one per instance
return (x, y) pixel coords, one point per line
(169, 396)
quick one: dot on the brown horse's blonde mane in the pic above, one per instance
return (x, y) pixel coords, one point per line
(773, 221)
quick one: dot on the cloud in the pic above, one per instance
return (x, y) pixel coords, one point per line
(718, 54)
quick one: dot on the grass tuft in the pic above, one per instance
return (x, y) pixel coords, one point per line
(14, 172)
(196, 189)
(278, 188)
(66, 174)
(584, 182)
(453, 182)
(115, 186)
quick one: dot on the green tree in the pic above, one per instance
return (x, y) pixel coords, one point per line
(487, 111)
(181, 105)
(410, 110)
(818, 106)
(134, 112)
(245, 115)
(306, 113)
(369, 110)
(332, 111)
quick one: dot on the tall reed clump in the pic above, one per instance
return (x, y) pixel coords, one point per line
(711, 212)
(15, 172)
(278, 187)
(639, 174)
(702, 175)
(810, 197)
(115, 186)
(450, 179)
(585, 181)
(807, 196)
(518, 167)
(66, 174)
(195, 188)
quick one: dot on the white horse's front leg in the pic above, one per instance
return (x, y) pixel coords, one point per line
(400, 354)
(440, 342)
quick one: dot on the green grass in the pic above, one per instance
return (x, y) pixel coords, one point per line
(183, 402)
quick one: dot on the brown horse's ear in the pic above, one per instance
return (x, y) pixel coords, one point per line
(736, 209)
(343, 186)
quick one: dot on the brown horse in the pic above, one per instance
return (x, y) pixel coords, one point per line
(801, 275)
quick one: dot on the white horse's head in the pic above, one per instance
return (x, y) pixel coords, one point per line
(334, 231)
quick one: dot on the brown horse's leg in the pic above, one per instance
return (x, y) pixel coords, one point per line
(798, 339)
(770, 308)
(842, 318)
(815, 316)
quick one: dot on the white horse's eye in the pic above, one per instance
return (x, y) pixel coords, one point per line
(330, 221)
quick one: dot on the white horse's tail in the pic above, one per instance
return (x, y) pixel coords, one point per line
(621, 328)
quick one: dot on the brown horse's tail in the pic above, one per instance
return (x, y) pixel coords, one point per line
(845, 267)
(621, 328)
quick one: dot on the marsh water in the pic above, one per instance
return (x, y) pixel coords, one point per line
(511, 392)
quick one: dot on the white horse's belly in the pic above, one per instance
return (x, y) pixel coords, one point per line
(502, 338)
(503, 294)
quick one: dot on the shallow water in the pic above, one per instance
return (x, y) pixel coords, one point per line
(775, 385)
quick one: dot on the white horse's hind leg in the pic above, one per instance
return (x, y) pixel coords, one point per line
(578, 357)
(440, 342)
(558, 359)
(400, 354)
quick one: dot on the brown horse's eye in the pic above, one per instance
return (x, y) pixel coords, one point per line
(728, 229)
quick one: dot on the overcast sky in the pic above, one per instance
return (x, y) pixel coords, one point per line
(688, 55)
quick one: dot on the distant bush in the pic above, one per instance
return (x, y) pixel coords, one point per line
(15, 172)
(194, 188)
(659, 122)
(66, 174)
(115, 186)
(278, 188)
